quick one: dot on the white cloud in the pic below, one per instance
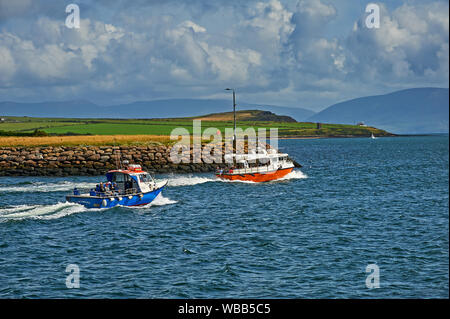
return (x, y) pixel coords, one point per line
(268, 49)
(195, 27)
(270, 20)
(7, 66)
(409, 47)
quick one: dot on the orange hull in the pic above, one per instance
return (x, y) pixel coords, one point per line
(257, 177)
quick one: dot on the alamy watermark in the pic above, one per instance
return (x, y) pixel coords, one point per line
(73, 19)
(219, 148)
(373, 18)
(73, 279)
(373, 277)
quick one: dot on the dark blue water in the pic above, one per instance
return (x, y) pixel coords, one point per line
(355, 202)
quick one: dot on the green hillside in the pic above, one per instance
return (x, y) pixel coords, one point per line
(287, 127)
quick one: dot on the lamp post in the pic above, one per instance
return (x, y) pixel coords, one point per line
(234, 115)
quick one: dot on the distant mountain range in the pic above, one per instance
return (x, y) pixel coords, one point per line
(143, 109)
(420, 110)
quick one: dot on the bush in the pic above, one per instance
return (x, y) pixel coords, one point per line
(14, 133)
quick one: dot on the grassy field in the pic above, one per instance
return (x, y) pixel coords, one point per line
(90, 131)
(84, 140)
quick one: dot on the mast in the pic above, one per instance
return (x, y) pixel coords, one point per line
(234, 116)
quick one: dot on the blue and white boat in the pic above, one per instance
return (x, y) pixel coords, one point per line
(126, 187)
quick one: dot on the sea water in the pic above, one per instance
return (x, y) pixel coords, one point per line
(355, 202)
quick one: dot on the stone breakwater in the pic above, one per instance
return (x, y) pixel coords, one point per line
(94, 160)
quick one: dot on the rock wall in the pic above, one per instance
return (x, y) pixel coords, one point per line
(92, 160)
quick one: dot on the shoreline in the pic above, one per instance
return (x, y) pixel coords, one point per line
(320, 137)
(356, 136)
(124, 140)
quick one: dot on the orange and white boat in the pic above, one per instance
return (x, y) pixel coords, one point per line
(257, 167)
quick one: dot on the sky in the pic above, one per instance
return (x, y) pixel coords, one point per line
(298, 53)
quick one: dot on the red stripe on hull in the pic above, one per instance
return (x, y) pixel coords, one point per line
(257, 177)
(139, 204)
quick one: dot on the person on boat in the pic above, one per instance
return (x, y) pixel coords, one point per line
(102, 187)
(112, 188)
(128, 185)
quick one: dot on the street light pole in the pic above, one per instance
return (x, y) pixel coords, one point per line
(234, 115)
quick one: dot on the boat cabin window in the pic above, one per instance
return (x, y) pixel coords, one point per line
(124, 181)
(242, 164)
(145, 178)
(118, 178)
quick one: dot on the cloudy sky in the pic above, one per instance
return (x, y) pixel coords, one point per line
(300, 53)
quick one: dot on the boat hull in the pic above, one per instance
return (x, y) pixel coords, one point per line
(111, 201)
(257, 177)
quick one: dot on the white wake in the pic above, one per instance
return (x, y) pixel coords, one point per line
(58, 210)
(189, 180)
(40, 187)
(160, 200)
(44, 212)
(295, 174)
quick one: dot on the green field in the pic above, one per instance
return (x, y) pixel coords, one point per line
(58, 126)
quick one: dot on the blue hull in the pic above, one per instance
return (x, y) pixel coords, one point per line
(111, 201)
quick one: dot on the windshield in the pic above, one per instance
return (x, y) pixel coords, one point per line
(145, 178)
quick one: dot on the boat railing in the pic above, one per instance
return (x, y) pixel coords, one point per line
(248, 170)
(131, 191)
(106, 193)
(79, 191)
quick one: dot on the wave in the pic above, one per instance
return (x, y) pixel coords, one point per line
(43, 212)
(160, 200)
(40, 187)
(16, 209)
(183, 180)
(189, 180)
(58, 210)
(295, 174)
